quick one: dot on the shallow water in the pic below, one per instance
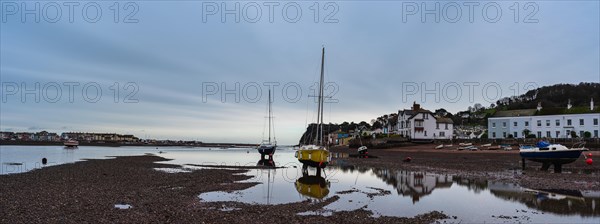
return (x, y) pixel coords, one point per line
(384, 192)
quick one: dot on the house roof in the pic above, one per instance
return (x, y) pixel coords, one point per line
(515, 113)
(545, 111)
(444, 120)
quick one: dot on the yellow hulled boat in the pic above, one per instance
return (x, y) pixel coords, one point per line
(316, 154)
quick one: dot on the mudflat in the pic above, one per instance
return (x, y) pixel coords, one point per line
(88, 191)
(497, 165)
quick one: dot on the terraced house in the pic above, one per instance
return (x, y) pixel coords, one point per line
(566, 122)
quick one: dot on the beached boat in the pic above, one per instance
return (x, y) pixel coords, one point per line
(268, 147)
(316, 154)
(551, 154)
(71, 143)
(363, 150)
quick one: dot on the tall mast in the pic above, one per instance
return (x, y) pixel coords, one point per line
(321, 96)
(269, 116)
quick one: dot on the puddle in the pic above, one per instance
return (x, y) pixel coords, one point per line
(321, 213)
(123, 206)
(228, 209)
(173, 170)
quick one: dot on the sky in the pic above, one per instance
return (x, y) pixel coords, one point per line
(191, 70)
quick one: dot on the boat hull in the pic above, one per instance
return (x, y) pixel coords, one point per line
(556, 157)
(313, 157)
(267, 150)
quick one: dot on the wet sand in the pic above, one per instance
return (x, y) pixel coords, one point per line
(88, 192)
(484, 165)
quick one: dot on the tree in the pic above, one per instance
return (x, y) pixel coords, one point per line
(573, 134)
(526, 132)
(377, 125)
(441, 112)
(587, 134)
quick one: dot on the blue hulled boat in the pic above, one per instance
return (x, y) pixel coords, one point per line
(268, 147)
(551, 154)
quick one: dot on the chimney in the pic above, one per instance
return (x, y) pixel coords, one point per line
(416, 106)
(569, 105)
(539, 107)
(592, 104)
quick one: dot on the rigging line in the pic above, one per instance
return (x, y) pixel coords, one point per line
(264, 124)
(273, 124)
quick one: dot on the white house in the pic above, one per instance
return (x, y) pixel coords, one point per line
(421, 124)
(543, 125)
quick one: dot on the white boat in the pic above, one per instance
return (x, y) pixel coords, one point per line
(465, 144)
(487, 145)
(439, 146)
(71, 143)
(362, 150)
(551, 154)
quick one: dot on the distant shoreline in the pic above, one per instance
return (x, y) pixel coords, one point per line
(118, 144)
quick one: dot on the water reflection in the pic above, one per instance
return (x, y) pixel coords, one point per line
(414, 184)
(266, 162)
(313, 186)
(555, 201)
(420, 184)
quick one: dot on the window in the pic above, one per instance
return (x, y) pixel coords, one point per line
(515, 123)
(493, 134)
(595, 121)
(557, 123)
(437, 125)
(503, 124)
(569, 122)
(539, 134)
(425, 133)
(446, 126)
(504, 134)
(596, 133)
(493, 124)
(581, 122)
(580, 134)
(557, 134)
(548, 134)
(418, 123)
(526, 123)
(515, 134)
(547, 123)
(442, 134)
(539, 123)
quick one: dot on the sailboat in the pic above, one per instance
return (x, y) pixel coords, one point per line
(316, 154)
(268, 147)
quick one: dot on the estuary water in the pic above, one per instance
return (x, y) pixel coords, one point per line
(383, 192)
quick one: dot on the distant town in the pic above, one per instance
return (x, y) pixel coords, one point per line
(98, 139)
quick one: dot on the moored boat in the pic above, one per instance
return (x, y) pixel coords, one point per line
(71, 143)
(268, 147)
(316, 154)
(551, 154)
